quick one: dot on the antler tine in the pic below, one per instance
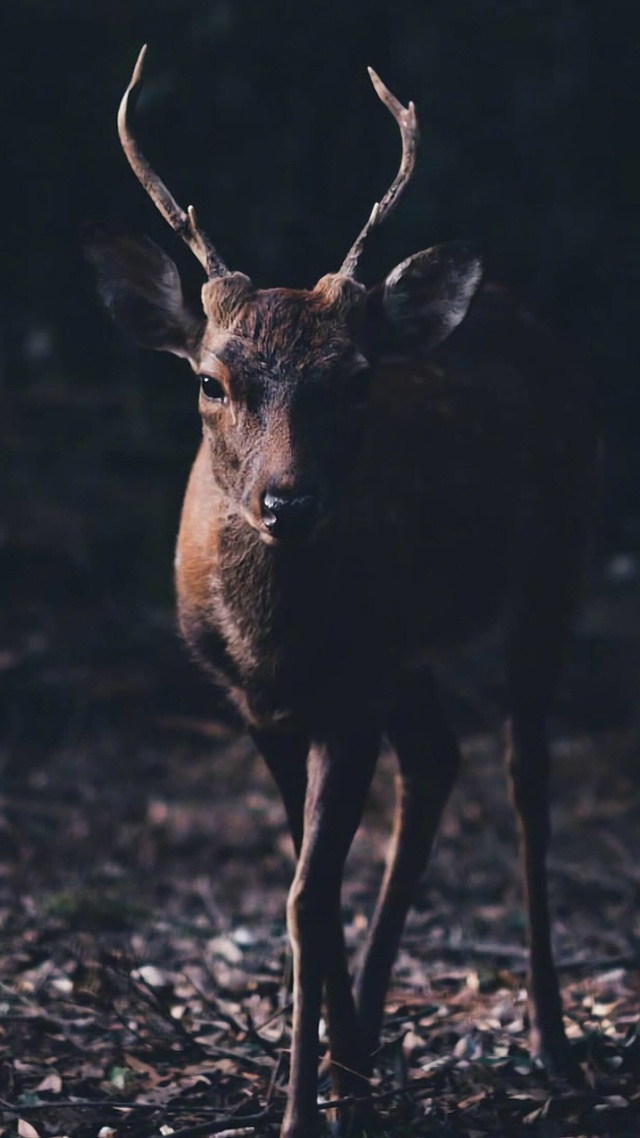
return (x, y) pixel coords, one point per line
(407, 120)
(184, 223)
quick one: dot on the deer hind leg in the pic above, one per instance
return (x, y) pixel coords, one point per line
(324, 797)
(428, 758)
(534, 656)
(528, 765)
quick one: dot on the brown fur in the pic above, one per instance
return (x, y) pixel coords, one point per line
(430, 534)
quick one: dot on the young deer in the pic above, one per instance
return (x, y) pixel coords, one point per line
(370, 487)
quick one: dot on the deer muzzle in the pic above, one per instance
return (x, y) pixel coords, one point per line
(289, 515)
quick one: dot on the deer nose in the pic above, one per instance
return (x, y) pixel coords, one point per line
(287, 514)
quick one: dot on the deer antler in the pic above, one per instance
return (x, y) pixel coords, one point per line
(407, 120)
(184, 223)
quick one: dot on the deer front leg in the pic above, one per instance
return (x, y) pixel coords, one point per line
(429, 757)
(285, 754)
(339, 772)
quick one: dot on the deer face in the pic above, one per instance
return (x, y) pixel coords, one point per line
(285, 375)
(282, 382)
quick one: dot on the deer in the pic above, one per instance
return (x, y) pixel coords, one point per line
(384, 474)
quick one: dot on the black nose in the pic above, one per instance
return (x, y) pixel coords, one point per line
(287, 514)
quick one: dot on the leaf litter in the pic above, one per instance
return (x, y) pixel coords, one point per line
(145, 972)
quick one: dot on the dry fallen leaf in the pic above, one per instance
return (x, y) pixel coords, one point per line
(26, 1130)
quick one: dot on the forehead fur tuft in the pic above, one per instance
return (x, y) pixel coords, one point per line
(288, 328)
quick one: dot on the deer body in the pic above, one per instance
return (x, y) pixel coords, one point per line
(423, 549)
(383, 473)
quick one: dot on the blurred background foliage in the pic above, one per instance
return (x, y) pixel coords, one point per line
(262, 115)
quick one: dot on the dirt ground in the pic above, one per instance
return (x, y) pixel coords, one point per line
(144, 864)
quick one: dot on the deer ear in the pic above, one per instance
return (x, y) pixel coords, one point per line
(422, 300)
(140, 287)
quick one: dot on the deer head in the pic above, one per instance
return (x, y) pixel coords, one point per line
(285, 375)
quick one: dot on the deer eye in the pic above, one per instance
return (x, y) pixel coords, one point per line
(212, 389)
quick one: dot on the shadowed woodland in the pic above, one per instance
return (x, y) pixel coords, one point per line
(144, 858)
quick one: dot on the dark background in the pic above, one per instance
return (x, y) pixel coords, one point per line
(262, 115)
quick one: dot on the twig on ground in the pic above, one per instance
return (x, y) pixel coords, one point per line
(589, 877)
(231, 1124)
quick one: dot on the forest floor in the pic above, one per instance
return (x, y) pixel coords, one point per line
(144, 967)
